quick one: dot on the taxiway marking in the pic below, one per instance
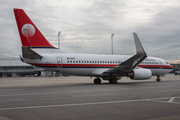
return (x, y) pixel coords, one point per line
(80, 104)
(171, 100)
(12, 100)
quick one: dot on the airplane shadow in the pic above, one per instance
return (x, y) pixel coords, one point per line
(133, 83)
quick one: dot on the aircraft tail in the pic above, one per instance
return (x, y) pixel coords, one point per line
(30, 36)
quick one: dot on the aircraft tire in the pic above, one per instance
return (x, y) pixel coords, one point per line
(97, 81)
(112, 80)
(158, 79)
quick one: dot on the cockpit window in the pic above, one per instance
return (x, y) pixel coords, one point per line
(166, 62)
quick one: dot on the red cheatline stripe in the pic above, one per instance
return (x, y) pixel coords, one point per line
(97, 65)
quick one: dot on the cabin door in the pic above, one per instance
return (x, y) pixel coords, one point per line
(160, 64)
(59, 61)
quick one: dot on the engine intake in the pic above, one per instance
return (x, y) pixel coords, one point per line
(140, 74)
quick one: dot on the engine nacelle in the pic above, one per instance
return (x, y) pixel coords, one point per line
(140, 74)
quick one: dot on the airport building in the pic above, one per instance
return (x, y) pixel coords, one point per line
(175, 64)
(10, 66)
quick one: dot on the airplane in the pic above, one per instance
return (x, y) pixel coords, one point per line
(37, 51)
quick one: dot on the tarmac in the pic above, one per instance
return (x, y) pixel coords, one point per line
(78, 98)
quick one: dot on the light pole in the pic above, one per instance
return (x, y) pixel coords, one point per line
(59, 33)
(112, 35)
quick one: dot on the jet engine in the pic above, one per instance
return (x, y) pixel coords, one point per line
(140, 74)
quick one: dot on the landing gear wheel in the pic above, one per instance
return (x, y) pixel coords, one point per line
(112, 80)
(158, 79)
(97, 81)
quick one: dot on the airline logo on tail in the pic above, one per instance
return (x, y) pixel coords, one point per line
(28, 30)
(29, 33)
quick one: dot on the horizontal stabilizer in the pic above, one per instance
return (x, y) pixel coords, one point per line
(28, 53)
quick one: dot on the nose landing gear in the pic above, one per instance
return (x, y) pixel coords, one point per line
(158, 79)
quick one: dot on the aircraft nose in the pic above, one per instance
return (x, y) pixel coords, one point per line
(171, 67)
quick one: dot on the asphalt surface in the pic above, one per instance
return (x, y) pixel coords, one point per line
(77, 98)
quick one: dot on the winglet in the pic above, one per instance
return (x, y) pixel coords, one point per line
(129, 64)
(139, 47)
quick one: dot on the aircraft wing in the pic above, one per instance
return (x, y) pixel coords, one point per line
(132, 62)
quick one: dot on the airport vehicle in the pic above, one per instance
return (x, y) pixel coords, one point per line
(37, 51)
(177, 72)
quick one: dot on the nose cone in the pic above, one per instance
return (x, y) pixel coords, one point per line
(170, 68)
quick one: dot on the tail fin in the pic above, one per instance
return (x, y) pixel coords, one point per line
(30, 35)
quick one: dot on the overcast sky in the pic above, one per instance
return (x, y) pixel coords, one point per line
(86, 25)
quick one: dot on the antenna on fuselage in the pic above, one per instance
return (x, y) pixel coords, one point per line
(59, 33)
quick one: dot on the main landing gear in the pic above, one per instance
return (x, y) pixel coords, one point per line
(158, 79)
(111, 80)
(97, 81)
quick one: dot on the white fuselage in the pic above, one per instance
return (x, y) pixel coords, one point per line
(85, 64)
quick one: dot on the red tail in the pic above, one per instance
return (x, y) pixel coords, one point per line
(29, 33)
